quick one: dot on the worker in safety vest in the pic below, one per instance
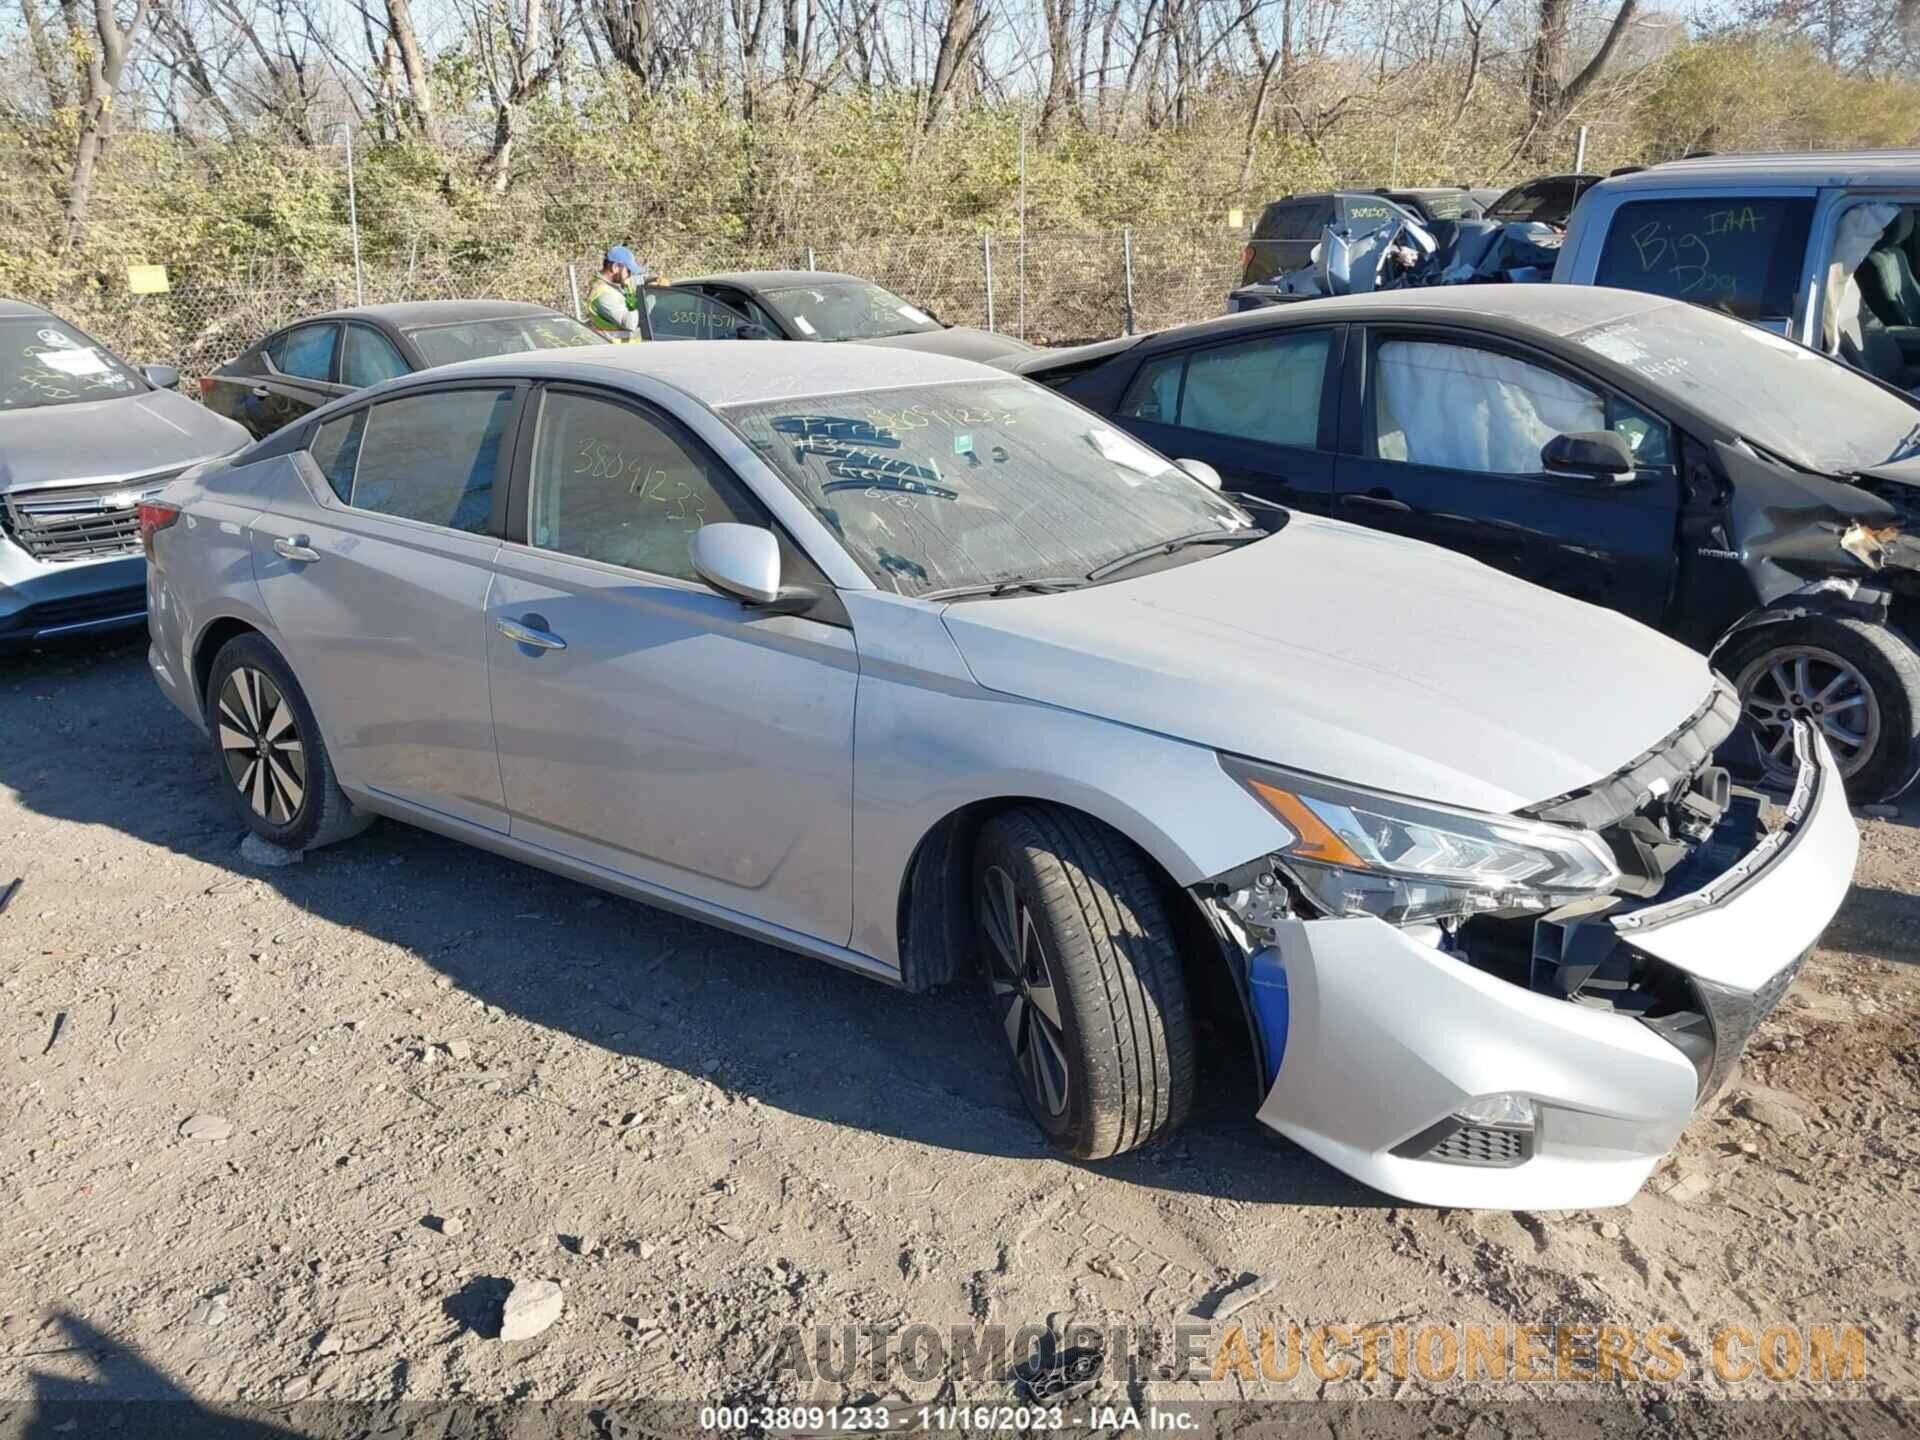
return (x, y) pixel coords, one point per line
(613, 304)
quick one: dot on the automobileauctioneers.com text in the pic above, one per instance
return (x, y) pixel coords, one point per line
(1280, 1351)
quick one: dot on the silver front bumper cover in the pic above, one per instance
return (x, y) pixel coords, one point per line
(1386, 1036)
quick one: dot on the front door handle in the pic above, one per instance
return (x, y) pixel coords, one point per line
(532, 631)
(1376, 500)
(260, 392)
(295, 548)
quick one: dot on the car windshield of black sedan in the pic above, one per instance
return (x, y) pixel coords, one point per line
(940, 487)
(43, 362)
(1785, 398)
(847, 310)
(477, 339)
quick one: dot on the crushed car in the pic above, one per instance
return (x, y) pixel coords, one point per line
(1375, 244)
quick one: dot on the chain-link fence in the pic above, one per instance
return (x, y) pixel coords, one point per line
(1054, 288)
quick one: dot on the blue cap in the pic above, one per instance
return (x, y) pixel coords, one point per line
(621, 255)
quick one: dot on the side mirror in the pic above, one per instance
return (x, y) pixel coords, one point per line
(1597, 454)
(738, 560)
(751, 332)
(1201, 471)
(161, 377)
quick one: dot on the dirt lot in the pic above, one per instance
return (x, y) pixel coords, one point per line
(443, 1072)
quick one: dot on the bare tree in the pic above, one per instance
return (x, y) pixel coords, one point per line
(1548, 98)
(54, 74)
(1060, 76)
(518, 55)
(961, 30)
(104, 62)
(406, 40)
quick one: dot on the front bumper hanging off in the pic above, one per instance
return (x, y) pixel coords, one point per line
(1381, 1037)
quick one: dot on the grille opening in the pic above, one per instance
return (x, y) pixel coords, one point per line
(77, 522)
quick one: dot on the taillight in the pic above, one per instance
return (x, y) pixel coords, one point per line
(153, 517)
(1246, 259)
(206, 383)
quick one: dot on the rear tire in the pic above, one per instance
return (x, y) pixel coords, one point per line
(1859, 683)
(1084, 980)
(268, 757)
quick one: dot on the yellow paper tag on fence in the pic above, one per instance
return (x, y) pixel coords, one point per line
(1236, 218)
(147, 279)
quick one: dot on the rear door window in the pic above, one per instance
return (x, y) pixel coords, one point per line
(1740, 256)
(430, 457)
(1267, 390)
(306, 352)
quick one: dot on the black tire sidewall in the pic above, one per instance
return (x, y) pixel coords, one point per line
(1067, 1130)
(1891, 767)
(300, 832)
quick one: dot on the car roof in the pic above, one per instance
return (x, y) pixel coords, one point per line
(735, 372)
(1835, 167)
(20, 309)
(409, 313)
(1552, 309)
(769, 279)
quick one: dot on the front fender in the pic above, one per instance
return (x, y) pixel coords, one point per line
(929, 741)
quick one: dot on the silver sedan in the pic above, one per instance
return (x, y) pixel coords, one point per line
(915, 667)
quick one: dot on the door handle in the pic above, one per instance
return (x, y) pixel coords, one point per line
(295, 548)
(530, 633)
(260, 392)
(1376, 501)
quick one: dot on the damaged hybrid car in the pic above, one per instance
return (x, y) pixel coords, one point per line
(1741, 493)
(912, 666)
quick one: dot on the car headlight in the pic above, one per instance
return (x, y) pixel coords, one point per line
(1358, 852)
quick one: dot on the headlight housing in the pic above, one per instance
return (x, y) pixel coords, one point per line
(1359, 852)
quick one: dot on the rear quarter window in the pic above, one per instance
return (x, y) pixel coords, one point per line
(1740, 256)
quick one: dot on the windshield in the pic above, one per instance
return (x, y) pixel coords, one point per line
(44, 361)
(941, 486)
(847, 310)
(477, 339)
(1550, 201)
(1783, 397)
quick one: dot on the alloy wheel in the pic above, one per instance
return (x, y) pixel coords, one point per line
(1025, 1000)
(260, 745)
(1805, 682)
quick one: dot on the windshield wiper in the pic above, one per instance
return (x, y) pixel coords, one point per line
(992, 588)
(1167, 547)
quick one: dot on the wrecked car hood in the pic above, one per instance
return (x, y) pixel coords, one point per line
(1792, 529)
(961, 341)
(1355, 655)
(104, 440)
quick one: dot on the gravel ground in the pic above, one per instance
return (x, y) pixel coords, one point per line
(284, 1132)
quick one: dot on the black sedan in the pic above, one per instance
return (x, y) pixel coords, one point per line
(1747, 496)
(823, 305)
(303, 366)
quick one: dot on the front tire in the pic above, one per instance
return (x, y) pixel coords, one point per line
(268, 756)
(1857, 683)
(1084, 980)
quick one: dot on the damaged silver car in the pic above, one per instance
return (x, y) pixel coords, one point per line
(83, 437)
(923, 670)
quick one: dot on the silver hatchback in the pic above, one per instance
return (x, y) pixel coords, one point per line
(901, 662)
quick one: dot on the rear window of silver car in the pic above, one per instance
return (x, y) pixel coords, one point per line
(976, 482)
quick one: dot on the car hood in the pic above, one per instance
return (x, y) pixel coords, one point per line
(1355, 656)
(961, 341)
(123, 438)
